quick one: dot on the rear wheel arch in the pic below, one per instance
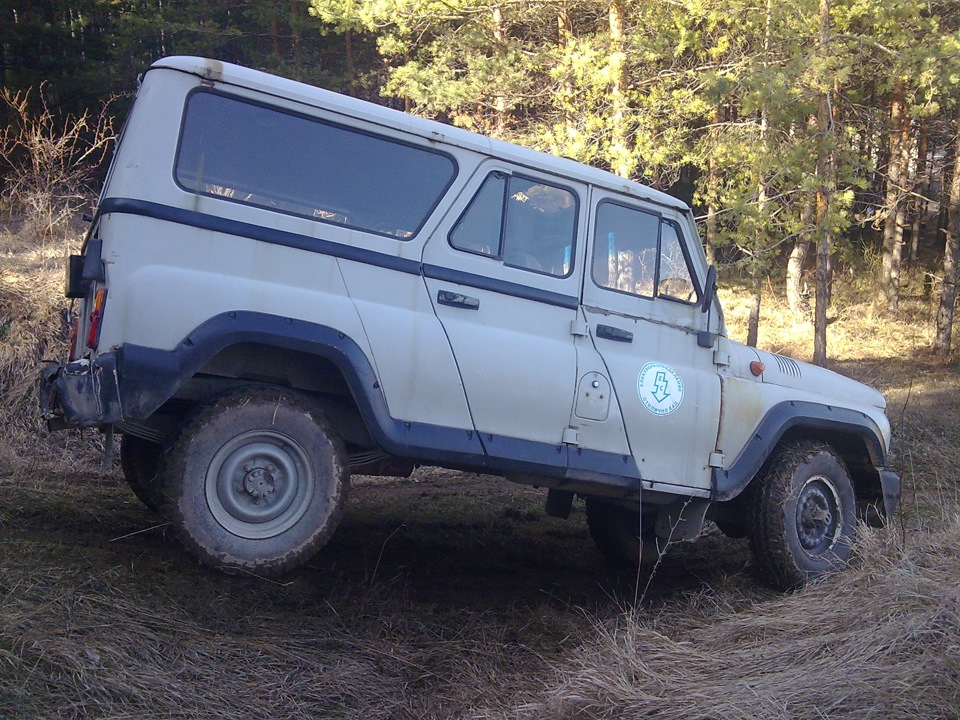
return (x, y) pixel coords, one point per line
(310, 374)
(274, 364)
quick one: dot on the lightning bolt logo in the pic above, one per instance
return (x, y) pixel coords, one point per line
(660, 387)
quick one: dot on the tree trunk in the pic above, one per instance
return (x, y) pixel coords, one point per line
(275, 34)
(762, 233)
(351, 62)
(825, 182)
(296, 40)
(753, 320)
(619, 152)
(918, 205)
(896, 173)
(713, 182)
(565, 90)
(948, 292)
(500, 101)
(798, 256)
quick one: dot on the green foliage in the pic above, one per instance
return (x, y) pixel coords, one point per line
(87, 51)
(721, 93)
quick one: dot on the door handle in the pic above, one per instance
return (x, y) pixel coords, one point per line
(608, 332)
(452, 299)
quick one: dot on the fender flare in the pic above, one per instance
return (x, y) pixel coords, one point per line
(783, 417)
(149, 377)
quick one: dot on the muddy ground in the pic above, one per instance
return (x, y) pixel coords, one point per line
(443, 595)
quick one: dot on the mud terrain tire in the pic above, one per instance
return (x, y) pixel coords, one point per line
(255, 482)
(614, 530)
(140, 461)
(803, 515)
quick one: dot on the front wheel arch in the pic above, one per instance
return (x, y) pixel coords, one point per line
(855, 436)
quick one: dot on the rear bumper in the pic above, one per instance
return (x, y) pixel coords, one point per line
(81, 394)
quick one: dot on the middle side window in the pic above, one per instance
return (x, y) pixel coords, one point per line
(522, 222)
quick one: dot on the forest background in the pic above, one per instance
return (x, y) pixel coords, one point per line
(812, 137)
(818, 143)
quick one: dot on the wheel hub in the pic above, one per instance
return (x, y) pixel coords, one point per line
(817, 514)
(259, 482)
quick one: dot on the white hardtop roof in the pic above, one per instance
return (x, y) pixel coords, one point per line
(230, 74)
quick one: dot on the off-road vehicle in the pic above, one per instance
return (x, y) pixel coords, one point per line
(282, 286)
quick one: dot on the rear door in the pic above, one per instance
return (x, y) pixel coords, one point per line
(641, 301)
(503, 271)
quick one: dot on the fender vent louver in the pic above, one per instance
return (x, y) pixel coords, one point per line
(788, 366)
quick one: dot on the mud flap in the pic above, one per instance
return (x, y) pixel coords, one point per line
(890, 484)
(681, 519)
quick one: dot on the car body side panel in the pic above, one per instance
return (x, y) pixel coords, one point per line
(413, 358)
(166, 279)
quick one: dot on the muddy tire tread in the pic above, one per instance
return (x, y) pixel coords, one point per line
(768, 527)
(175, 464)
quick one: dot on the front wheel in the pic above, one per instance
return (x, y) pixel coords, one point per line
(256, 481)
(803, 515)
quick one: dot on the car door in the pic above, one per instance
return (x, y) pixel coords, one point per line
(503, 271)
(641, 300)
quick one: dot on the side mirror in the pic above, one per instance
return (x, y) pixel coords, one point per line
(709, 289)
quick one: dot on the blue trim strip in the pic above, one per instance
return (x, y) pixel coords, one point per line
(593, 464)
(149, 377)
(437, 272)
(204, 221)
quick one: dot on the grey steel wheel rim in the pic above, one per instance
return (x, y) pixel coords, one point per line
(818, 515)
(259, 484)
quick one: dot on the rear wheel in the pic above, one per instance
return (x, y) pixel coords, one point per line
(256, 481)
(139, 461)
(803, 515)
(618, 532)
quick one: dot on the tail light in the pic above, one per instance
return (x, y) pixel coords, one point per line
(96, 316)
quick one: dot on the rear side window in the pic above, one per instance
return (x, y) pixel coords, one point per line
(522, 222)
(639, 253)
(258, 155)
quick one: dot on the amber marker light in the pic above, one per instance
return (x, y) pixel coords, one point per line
(757, 368)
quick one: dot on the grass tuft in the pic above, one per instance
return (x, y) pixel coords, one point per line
(880, 640)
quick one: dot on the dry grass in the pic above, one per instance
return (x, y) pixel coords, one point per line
(83, 644)
(103, 617)
(451, 596)
(32, 331)
(880, 641)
